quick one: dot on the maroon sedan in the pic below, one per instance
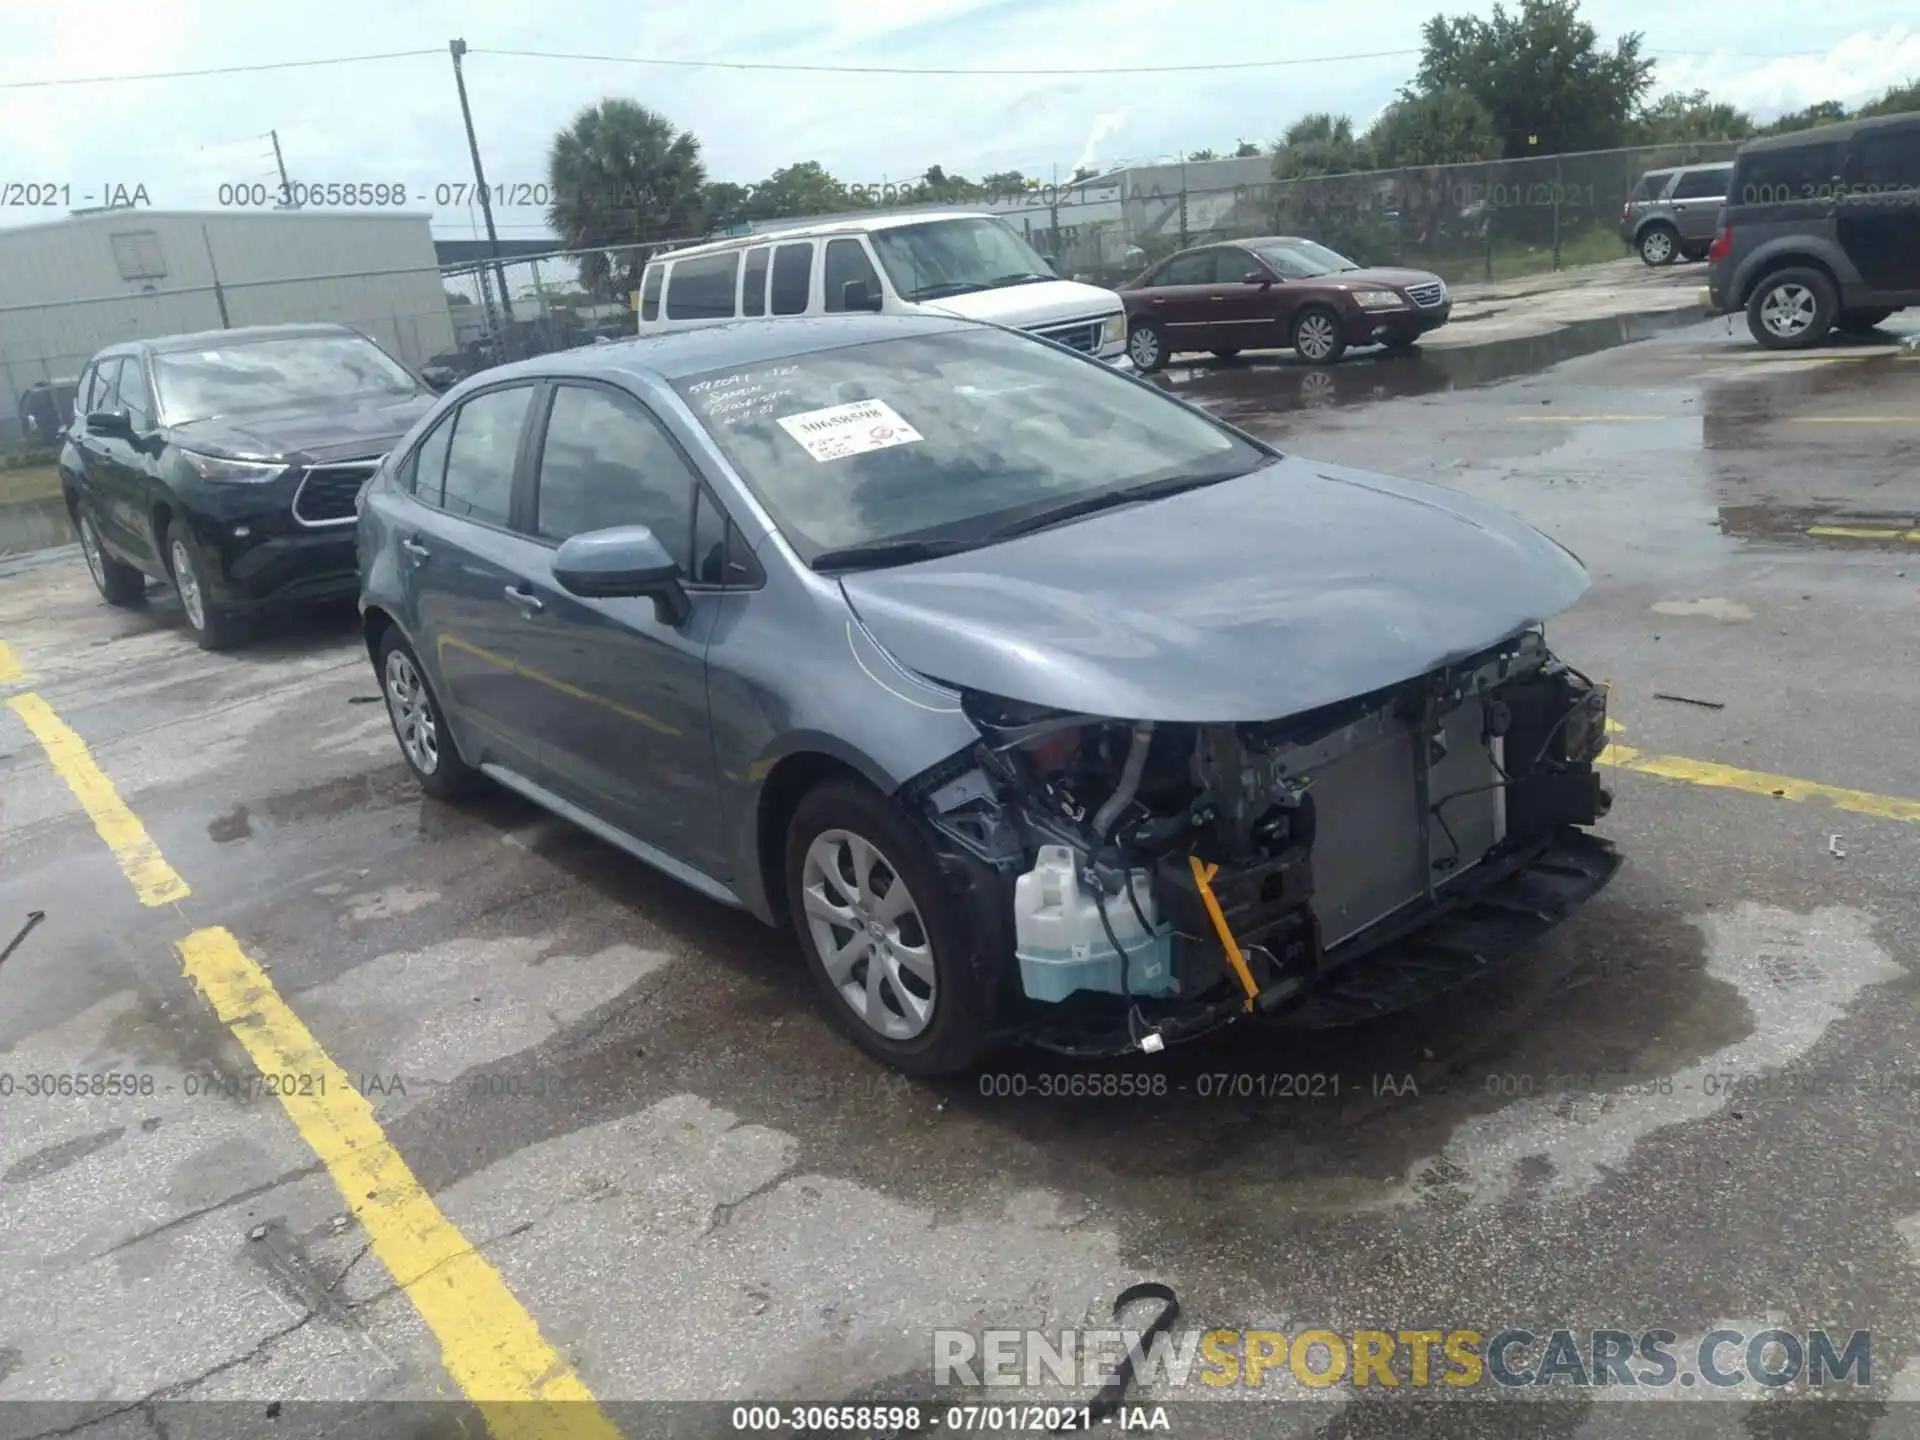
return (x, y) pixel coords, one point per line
(1280, 292)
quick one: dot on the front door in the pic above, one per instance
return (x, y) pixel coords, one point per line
(1879, 212)
(622, 691)
(1244, 315)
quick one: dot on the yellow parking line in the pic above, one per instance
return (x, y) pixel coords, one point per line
(10, 671)
(1858, 532)
(1758, 782)
(153, 880)
(488, 1342)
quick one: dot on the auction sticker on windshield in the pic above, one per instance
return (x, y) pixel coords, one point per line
(854, 429)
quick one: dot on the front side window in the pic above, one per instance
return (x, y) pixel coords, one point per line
(606, 462)
(1303, 259)
(847, 264)
(232, 379)
(945, 437)
(133, 396)
(482, 455)
(90, 386)
(703, 288)
(955, 257)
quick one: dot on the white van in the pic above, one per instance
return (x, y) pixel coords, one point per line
(950, 262)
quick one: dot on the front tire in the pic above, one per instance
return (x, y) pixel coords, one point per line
(214, 628)
(887, 940)
(118, 584)
(1147, 346)
(1316, 335)
(1792, 309)
(1659, 245)
(418, 723)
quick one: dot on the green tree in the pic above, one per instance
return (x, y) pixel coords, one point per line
(1006, 182)
(804, 188)
(1689, 117)
(622, 175)
(1824, 112)
(1320, 143)
(1245, 150)
(1440, 127)
(1541, 73)
(1203, 155)
(1899, 100)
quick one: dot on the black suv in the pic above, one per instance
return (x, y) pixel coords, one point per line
(227, 464)
(1821, 231)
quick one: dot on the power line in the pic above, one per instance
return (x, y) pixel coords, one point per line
(216, 70)
(796, 68)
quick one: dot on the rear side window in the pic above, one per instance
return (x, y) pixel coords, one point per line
(753, 283)
(650, 293)
(1884, 162)
(480, 460)
(1773, 177)
(792, 278)
(1651, 185)
(1194, 269)
(1701, 184)
(424, 475)
(847, 262)
(702, 288)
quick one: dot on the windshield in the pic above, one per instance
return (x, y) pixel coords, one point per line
(262, 374)
(953, 257)
(945, 437)
(1302, 259)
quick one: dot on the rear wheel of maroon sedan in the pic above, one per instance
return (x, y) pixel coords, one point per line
(1316, 335)
(1146, 346)
(888, 943)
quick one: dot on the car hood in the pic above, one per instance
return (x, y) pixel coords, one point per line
(1374, 277)
(1042, 302)
(1290, 588)
(307, 433)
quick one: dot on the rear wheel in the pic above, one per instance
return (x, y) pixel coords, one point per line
(118, 584)
(1792, 309)
(1317, 337)
(213, 627)
(888, 943)
(417, 722)
(1146, 346)
(1659, 244)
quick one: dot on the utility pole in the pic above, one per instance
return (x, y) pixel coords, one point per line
(219, 295)
(457, 48)
(287, 202)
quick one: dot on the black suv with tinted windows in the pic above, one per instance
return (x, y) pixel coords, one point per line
(227, 465)
(1821, 231)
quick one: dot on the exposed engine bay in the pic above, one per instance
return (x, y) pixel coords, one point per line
(1165, 879)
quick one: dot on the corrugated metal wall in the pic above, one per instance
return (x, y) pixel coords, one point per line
(69, 288)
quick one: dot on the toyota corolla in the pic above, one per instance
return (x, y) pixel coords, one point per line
(1040, 705)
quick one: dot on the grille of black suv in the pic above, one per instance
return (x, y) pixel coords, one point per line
(327, 492)
(1428, 295)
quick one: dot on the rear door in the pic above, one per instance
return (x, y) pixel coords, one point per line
(97, 389)
(1696, 201)
(1879, 212)
(622, 693)
(459, 558)
(121, 469)
(1181, 298)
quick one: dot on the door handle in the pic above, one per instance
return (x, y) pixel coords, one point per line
(529, 603)
(1216, 299)
(414, 548)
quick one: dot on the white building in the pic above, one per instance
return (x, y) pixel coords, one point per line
(70, 286)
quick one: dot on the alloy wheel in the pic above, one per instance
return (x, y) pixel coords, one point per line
(1315, 337)
(1143, 347)
(1788, 310)
(412, 711)
(90, 547)
(869, 934)
(187, 582)
(1656, 247)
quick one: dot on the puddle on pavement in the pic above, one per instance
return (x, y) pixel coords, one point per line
(35, 525)
(1246, 391)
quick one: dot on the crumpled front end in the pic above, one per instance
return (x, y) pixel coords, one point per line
(1164, 879)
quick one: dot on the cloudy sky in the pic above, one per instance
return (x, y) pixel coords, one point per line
(397, 120)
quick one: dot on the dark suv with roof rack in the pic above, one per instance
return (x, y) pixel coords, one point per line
(227, 464)
(1820, 231)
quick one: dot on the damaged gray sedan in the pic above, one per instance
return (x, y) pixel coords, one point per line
(1043, 706)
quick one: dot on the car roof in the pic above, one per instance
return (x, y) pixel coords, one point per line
(853, 225)
(675, 354)
(1829, 134)
(241, 335)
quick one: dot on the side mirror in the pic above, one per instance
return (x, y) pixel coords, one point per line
(110, 424)
(438, 378)
(621, 563)
(1256, 277)
(1052, 263)
(859, 295)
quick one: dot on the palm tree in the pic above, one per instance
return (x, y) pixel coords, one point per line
(622, 175)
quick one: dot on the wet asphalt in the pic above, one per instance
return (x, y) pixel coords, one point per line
(1693, 1107)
